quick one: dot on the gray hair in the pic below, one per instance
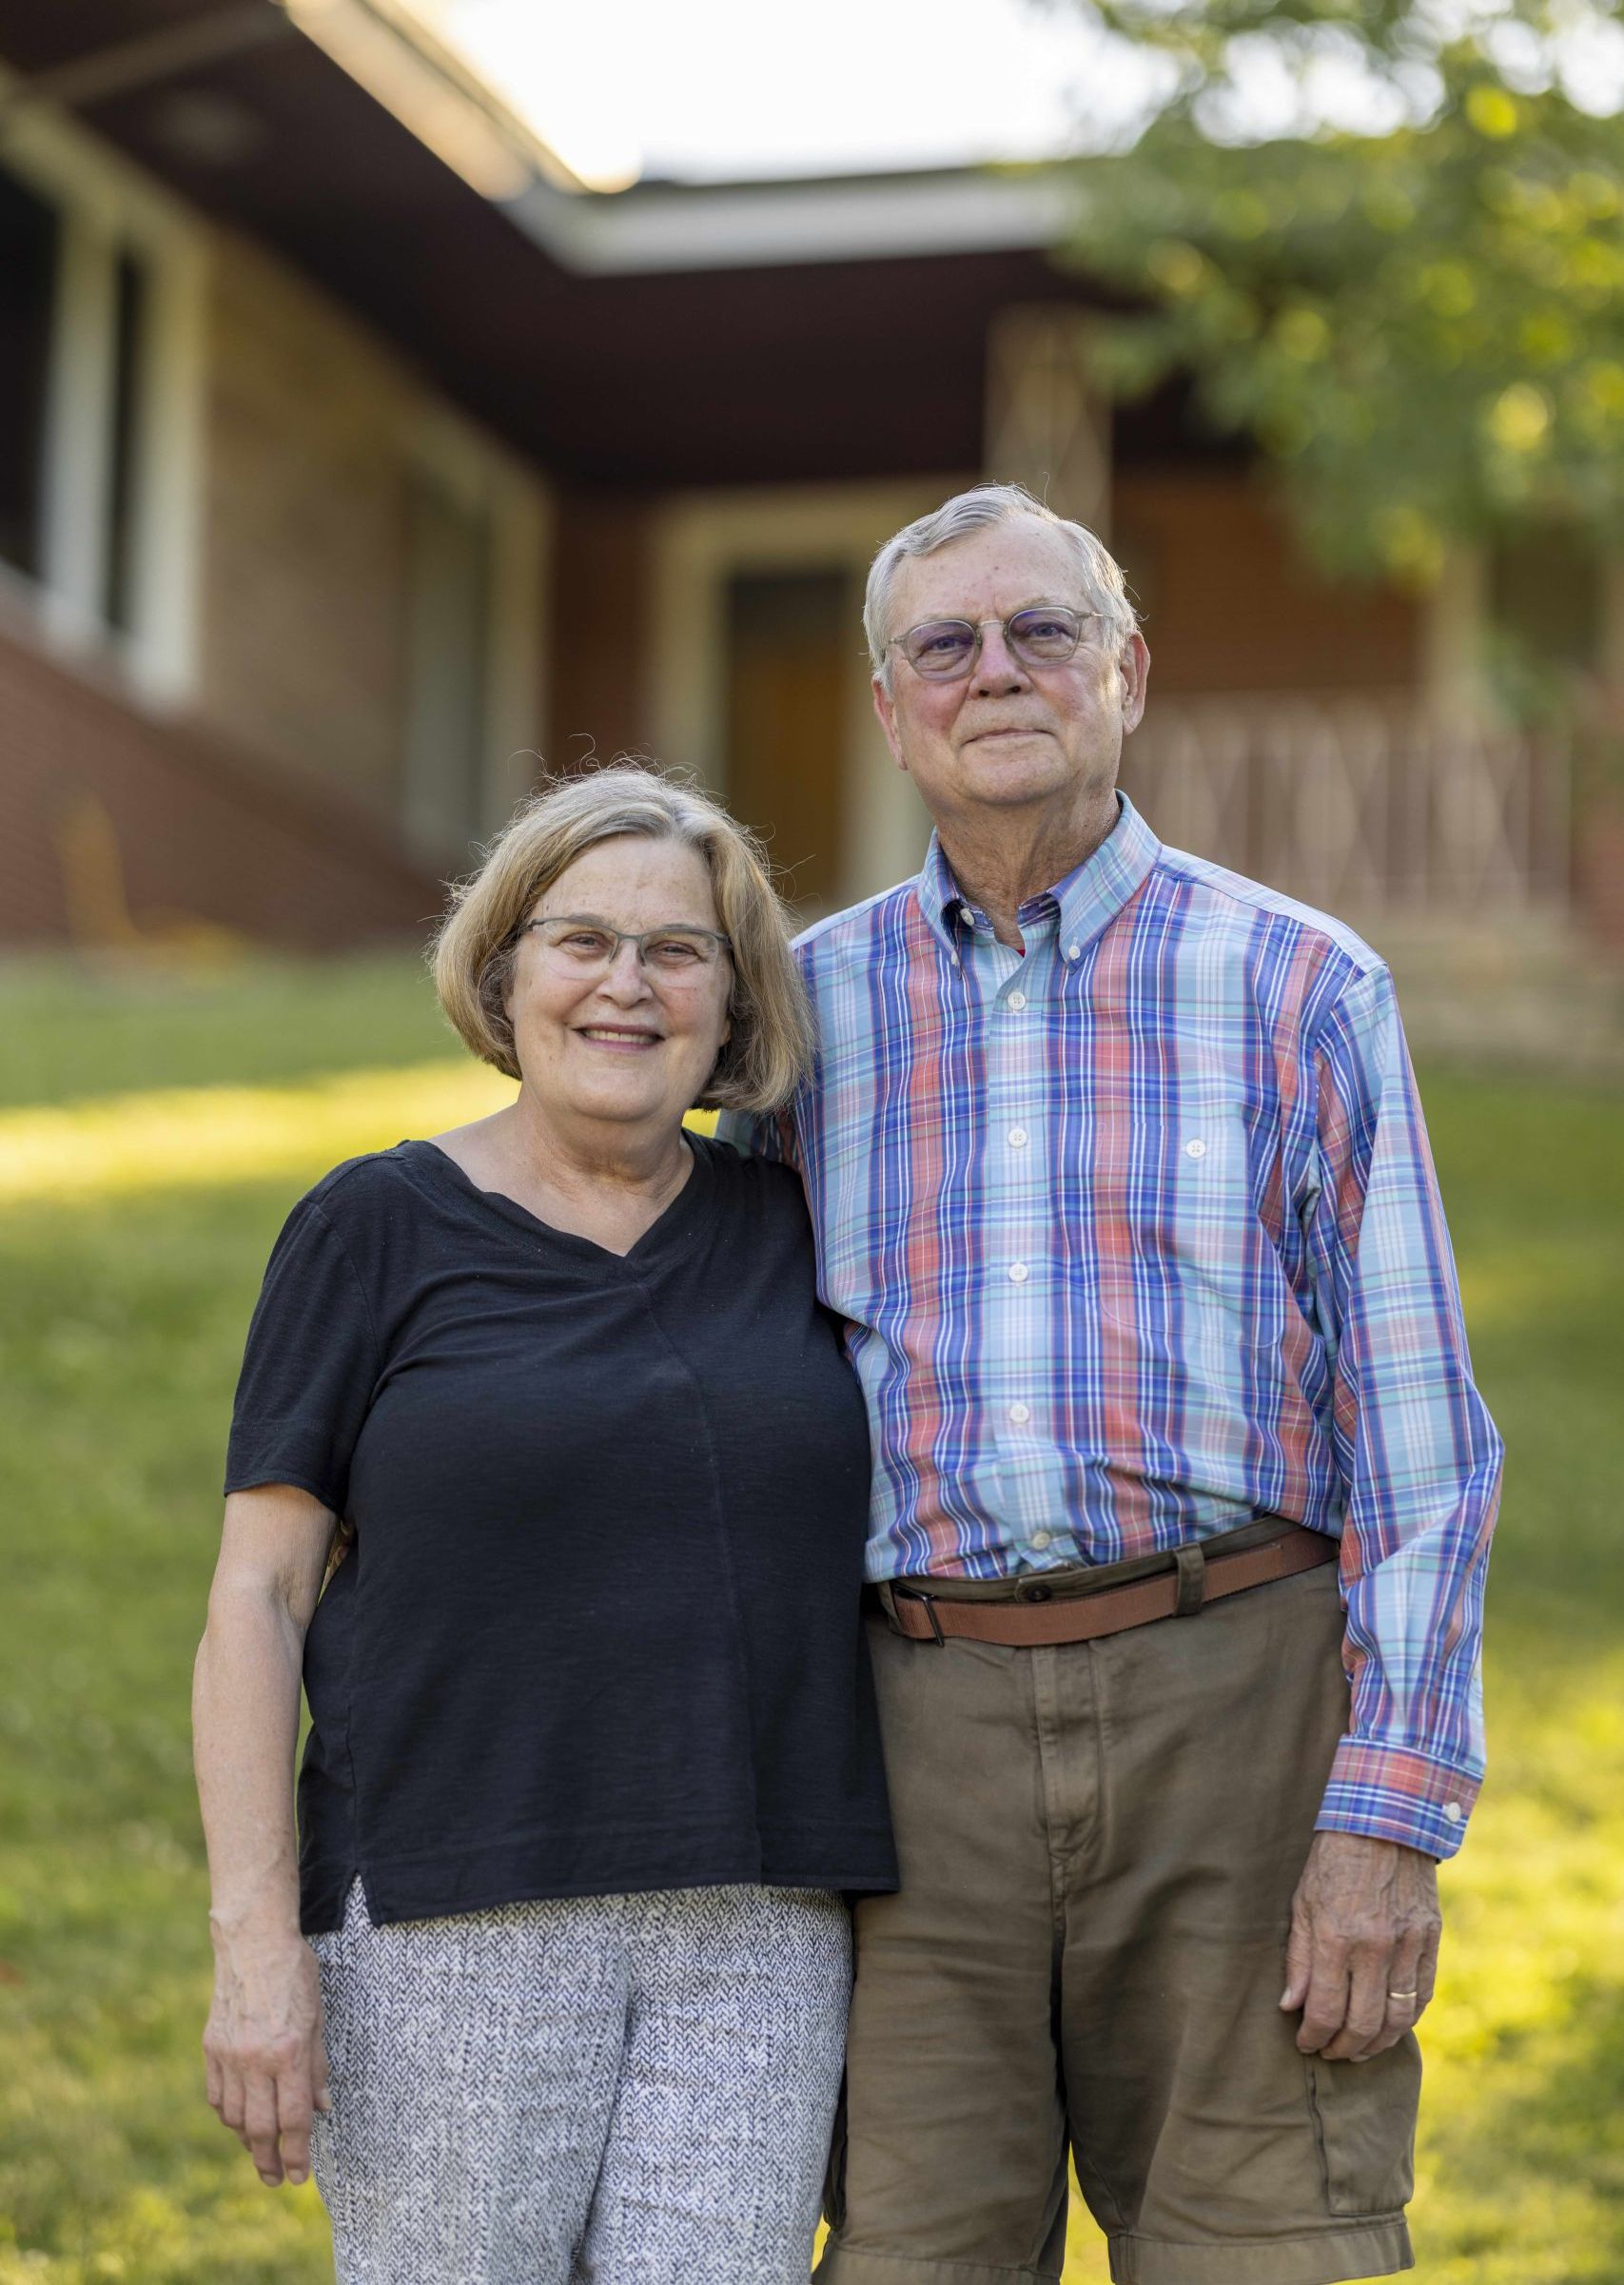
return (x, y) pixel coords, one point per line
(982, 506)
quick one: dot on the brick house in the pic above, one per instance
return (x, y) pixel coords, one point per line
(353, 455)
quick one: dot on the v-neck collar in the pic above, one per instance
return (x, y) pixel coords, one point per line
(670, 1228)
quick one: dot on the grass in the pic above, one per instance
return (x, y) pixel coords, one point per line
(119, 1028)
(129, 1295)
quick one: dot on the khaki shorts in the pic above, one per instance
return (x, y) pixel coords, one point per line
(1099, 1844)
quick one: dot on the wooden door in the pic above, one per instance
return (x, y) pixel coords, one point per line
(792, 637)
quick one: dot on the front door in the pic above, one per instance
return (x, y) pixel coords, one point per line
(789, 639)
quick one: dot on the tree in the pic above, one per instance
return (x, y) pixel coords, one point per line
(1407, 284)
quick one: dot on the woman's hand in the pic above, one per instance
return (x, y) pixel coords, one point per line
(267, 2065)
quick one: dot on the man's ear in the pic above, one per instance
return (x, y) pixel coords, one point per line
(1134, 668)
(885, 706)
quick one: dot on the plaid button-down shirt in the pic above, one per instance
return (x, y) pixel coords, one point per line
(1138, 1238)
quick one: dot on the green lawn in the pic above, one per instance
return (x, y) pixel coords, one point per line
(66, 1034)
(118, 1343)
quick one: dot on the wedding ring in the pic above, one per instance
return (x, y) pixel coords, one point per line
(1403, 1995)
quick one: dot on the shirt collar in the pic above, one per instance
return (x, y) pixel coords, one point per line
(1087, 899)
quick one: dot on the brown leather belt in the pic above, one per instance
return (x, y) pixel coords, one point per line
(1036, 1614)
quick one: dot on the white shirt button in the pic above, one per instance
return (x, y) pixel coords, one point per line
(1017, 1138)
(1018, 1273)
(1452, 1812)
(1020, 1414)
(1040, 1540)
(1196, 1149)
(1074, 951)
(1017, 1001)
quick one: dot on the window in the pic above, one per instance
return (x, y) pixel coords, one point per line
(475, 617)
(100, 375)
(447, 708)
(130, 371)
(28, 254)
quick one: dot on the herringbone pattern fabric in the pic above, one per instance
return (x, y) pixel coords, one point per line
(615, 2090)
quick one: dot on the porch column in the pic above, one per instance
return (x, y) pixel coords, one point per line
(1048, 423)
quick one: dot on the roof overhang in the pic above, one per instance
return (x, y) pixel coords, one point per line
(753, 225)
(663, 334)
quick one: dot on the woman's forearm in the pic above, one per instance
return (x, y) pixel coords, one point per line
(267, 2070)
(244, 1728)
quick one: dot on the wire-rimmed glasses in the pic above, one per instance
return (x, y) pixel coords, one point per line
(1044, 634)
(582, 945)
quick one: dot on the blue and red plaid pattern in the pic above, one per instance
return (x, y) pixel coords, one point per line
(1138, 1238)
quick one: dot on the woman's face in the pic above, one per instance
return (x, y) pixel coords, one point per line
(628, 1043)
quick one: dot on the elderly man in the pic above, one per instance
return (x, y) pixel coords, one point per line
(1182, 1491)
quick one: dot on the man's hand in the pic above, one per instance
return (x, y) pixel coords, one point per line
(1363, 1950)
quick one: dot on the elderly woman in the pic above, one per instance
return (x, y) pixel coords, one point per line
(550, 1402)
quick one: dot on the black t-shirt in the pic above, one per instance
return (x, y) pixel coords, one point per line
(599, 1631)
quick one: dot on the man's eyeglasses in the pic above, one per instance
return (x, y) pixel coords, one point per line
(578, 945)
(943, 650)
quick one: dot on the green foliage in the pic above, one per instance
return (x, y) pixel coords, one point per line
(1424, 327)
(118, 1348)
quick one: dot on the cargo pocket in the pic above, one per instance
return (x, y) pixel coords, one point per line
(1364, 2120)
(835, 2181)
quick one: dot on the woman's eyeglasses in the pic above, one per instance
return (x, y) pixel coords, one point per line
(581, 945)
(943, 650)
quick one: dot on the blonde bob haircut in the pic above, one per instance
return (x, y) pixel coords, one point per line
(475, 949)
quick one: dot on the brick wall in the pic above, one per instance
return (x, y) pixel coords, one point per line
(1231, 604)
(302, 583)
(1598, 823)
(116, 827)
(603, 630)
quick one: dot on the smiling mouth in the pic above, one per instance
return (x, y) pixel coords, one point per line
(609, 1035)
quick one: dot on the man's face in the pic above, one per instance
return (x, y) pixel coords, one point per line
(1005, 735)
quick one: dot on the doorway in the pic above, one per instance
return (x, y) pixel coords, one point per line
(787, 638)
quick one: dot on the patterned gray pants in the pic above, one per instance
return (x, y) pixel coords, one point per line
(615, 2090)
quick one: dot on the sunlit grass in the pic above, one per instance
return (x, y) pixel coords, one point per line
(121, 1027)
(129, 1259)
(200, 1138)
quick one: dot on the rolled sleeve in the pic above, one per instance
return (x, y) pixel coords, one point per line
(1391, 1794)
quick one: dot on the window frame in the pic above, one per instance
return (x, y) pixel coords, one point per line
(471, 471)
(109, 211)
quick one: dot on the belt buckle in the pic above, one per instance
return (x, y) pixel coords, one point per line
(917, 1595)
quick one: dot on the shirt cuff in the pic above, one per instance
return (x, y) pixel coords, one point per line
(1393, 1793)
